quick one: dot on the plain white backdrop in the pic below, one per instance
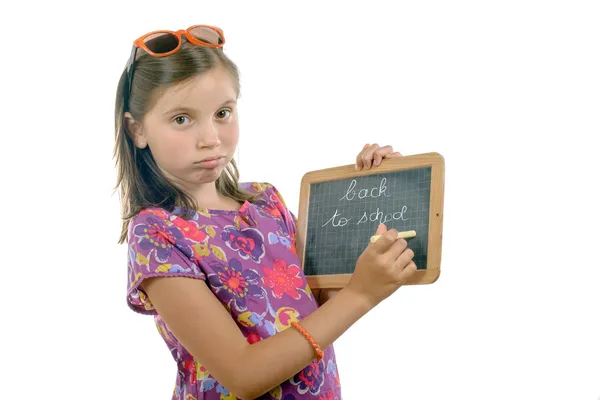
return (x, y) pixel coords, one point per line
(507, 91)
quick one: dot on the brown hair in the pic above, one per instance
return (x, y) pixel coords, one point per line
(140, 181)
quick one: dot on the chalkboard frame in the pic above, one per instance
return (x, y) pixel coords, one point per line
(434, 250)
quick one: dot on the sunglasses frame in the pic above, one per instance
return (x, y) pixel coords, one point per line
(140, 43)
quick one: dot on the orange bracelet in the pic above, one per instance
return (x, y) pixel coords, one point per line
(314, 344)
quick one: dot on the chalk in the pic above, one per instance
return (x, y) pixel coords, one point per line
(401, 235)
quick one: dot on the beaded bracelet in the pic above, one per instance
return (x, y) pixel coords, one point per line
(314, 344)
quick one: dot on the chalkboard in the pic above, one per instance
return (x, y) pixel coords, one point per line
(341, 208)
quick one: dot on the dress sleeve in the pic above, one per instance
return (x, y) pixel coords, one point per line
(289, 218)
(156, 248)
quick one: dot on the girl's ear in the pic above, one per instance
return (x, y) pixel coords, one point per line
(135, 131)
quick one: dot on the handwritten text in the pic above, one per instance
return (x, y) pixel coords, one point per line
(361, 194)
(383, 217)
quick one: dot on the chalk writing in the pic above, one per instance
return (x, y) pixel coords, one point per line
(338, 220)
(383, 218)
(341, 221)
(361, 194)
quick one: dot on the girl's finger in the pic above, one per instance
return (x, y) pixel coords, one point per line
(407, 272)
(377, 157)
(359, 162)
(394, 154)
(367, 157)
(380, 153)
(381, 229)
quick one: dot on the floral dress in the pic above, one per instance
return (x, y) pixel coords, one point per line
(248, 260)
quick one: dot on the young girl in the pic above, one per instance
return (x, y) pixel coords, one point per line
(235, 285)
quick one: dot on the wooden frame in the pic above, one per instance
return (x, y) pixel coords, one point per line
(434, 254)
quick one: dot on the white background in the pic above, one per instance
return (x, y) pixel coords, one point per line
(507, 91)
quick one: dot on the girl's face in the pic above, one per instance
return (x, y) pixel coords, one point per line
(192, 128)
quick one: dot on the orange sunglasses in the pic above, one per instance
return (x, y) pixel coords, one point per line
(165, 43)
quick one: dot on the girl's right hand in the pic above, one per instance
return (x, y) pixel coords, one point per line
(383, 267)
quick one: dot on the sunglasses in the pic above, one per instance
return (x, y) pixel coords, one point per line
(165, 43)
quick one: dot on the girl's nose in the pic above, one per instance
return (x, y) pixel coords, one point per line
(209, 137)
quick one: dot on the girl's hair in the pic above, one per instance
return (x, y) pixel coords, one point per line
(141, 182)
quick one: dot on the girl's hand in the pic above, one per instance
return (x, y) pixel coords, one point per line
(382, 268)
(372, 155)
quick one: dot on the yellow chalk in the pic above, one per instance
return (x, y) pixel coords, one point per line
(401, 235)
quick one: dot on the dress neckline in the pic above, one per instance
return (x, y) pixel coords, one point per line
(212, 211)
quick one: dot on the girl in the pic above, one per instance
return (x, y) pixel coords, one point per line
(235, 284)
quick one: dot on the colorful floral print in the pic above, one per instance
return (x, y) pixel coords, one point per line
(310, 379)
(249, 261)
(235, 283)
(283, 278)
(249, 242)
(156, 236)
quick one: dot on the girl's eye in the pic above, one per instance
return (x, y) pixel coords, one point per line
(224, 113)
(180, 119)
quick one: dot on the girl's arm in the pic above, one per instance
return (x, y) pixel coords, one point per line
(205, 327)
(207, 331)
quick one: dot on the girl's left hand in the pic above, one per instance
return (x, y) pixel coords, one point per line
(371, 155)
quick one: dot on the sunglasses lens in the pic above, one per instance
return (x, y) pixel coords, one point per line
(161, 42)
(206, 35)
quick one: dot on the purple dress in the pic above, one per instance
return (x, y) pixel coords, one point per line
(248, 260)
